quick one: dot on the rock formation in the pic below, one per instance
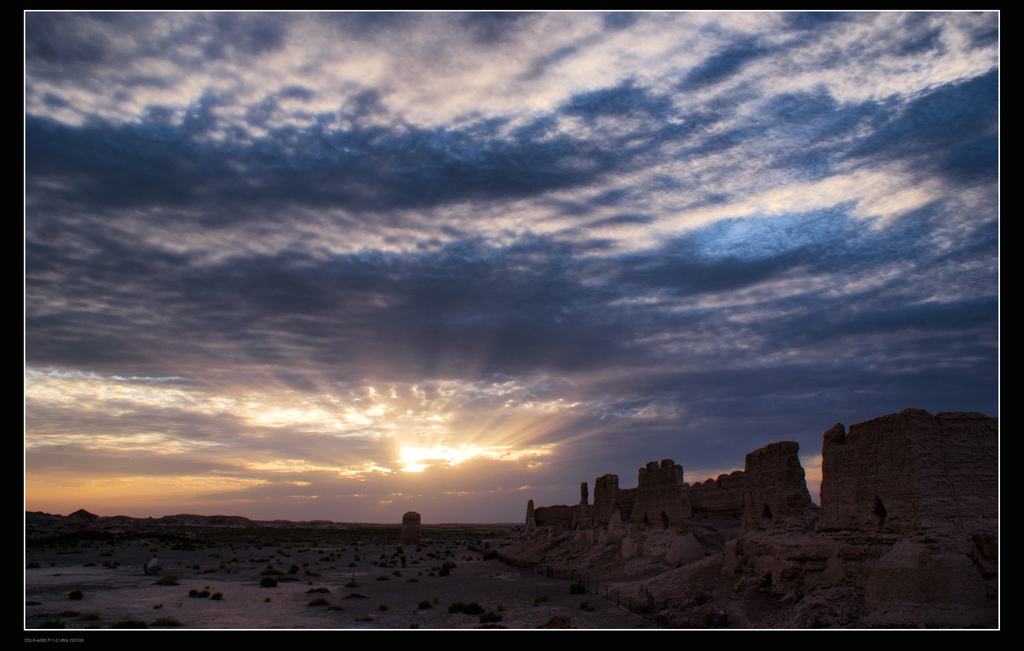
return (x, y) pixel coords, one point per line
(411, 528)
(531, 520)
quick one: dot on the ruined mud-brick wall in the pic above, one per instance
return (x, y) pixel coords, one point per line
(624, 501)
(912, 472)
(606, 489)
(720, 496)
(410, 528)
(923, 488)
(775, 489)
(559, 514)
(660, 496)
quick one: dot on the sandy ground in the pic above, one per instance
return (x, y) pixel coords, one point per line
(115, 595)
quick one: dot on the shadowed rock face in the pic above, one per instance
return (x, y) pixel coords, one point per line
(774, 490)
(531, 520)
(411, 528)
(912, 472)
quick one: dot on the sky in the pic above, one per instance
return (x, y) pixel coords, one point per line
(345, 265)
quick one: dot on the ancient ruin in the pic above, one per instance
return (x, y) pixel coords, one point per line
(411, 528)
(906, 533)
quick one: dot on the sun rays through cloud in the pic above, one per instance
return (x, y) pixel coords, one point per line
(341, 264)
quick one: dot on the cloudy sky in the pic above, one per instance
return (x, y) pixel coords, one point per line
(345, 265)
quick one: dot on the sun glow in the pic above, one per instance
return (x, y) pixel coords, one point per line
(419, 458)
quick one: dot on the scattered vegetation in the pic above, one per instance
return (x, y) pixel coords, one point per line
(558, 621)
(217, 596)
(423, 605)
(268, 582)
(321, 589)
(539, 600)
(319, 601)
(75, 595)
(199, 594)
(472, 608)
(587, 606)
(489, 617)
(167, 579)
(166, 621)
(577, 588)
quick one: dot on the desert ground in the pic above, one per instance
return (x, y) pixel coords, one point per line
(326, 578)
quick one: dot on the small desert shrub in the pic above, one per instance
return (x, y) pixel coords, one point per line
(472, 608)
(89, 564)
(33, 603)
(166, 621)
(490, 555)
(423, 605)
(320, 589)
(217, 596)
(587, 606)
(577, 588)
(130, 623)
(294, 569)
(558, 621)
(199, 594)
(90, 617)
(414, 625)
(268, 582)
(168, 579)
(157, 606)
(52, 623)
(539, 600)
(364, 618)
(383, 608)
(489, 617)
(354, 595)
(75, 595)
(70, 613)
(397, 573)
(111, 564)
(412, 580)
(32, 565)
(319, 601)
